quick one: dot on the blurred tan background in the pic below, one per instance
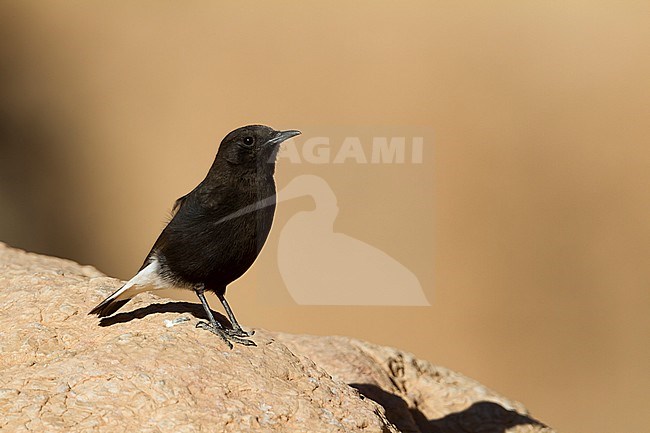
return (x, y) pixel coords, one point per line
(540, 237)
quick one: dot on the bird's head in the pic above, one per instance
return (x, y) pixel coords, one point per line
(253, 145)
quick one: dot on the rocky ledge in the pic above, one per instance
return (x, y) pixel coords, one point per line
(149, 370)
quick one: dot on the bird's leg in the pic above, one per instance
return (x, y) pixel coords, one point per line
(237, 330)
(214, 326)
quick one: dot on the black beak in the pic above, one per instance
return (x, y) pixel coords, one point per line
(281, 136)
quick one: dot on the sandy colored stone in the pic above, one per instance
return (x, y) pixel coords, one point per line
(146, 371)
(417, 395)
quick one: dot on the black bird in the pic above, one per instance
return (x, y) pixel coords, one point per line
(217, 230)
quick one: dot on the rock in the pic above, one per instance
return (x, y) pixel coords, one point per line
(416, 395)
(149, 370)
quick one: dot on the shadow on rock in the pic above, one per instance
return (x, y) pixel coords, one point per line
(480, 417)
(195, 310)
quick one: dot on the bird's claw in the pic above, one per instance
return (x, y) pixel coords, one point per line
(239, 332)
(225, 335)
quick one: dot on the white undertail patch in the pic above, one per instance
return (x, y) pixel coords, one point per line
(146, 280)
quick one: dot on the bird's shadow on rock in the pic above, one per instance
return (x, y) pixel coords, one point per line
(480, 417)
(195, 310)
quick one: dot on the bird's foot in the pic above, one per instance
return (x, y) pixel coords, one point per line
(239, 332)
(225, 334)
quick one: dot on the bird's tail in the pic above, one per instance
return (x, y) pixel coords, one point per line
(109, 305)
(145, 280)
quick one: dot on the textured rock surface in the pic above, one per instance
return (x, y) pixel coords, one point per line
(60, 371)
(417, 396)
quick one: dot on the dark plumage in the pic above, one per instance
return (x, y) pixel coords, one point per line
(217, 230)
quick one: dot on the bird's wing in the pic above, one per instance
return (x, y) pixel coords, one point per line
(161, 238)
(191, 208)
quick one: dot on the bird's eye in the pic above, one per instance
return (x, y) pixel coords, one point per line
(248, 141)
